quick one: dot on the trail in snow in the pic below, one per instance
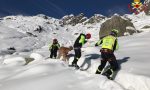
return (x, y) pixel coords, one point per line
(50, 73)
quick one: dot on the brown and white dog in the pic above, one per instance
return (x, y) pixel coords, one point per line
(63, 52)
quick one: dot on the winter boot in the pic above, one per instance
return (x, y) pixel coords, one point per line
(74, 63)
(98, 71)
(51, 56)
(108, 74)
(76, 66)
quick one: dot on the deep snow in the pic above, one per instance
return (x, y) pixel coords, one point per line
(53, 74)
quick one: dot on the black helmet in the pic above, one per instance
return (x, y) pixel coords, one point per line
(55, 41)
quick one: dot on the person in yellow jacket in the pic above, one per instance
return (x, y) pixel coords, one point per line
(53, 48)
(109, 45)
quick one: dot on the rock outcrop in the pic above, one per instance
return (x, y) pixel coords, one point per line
(73, 20)
(124, 26)
(95, 19)
(147, 11)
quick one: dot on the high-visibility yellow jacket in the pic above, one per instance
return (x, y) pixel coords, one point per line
(109, 42)
(54, 46)
(80, 41)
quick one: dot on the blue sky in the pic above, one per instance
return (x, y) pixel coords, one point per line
(59, 8)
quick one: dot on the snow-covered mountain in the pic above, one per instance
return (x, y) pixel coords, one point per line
(74, 20)
(26, 37)
(40, 30)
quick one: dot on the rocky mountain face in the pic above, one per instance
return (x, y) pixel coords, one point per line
(95, 19)
(124, 26)
(147, 11)
(74, 20)
(24, 30)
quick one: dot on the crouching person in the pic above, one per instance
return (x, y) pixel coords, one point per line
(53, 48)
(109, 45)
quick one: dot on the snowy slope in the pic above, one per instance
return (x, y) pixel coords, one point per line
(51, 74)
(140, 21)
(40, 30)
(48, 74)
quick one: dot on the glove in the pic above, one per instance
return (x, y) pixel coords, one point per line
(96, 44)
(85, 41)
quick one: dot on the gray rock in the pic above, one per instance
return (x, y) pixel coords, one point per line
(28, 60)
(43, 16)
(147, 11)
(9, 51)
(31, 34)
(95, 19)
(146, 27)
(73, 20)
(119, 23)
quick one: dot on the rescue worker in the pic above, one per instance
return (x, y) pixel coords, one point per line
(53, 48)
(109, 45)
(80, 41)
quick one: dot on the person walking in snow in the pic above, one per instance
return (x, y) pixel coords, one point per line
(109, 45)
(53, 48)
(80, 41)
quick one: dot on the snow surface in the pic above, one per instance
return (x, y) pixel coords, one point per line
(53, 74)
(140, 21)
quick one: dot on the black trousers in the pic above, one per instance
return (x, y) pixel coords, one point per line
(53, 53)
(77, 55)
(110, 57)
